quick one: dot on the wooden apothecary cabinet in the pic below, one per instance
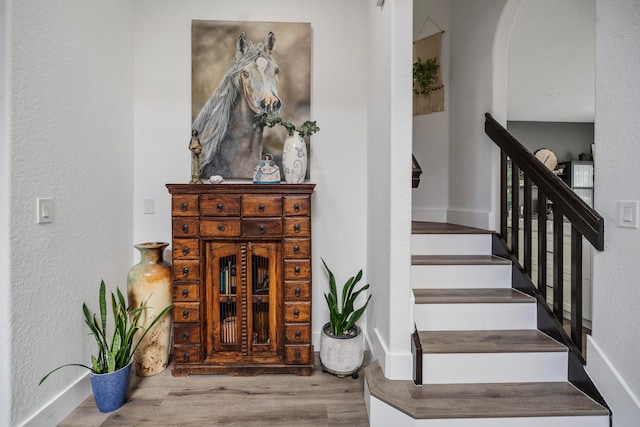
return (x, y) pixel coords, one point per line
(241, 278)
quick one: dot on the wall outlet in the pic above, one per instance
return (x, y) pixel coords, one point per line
(148, 206)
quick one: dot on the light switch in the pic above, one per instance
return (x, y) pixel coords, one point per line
(628, 213)
(44, 212)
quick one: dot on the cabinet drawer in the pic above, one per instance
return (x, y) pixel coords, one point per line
(186, 270)
(186, 292)
(297, 334)
(220, 228)
(297, 248)
(186, 248)
(262, 228)
(297, 311)
(184, 206)
(184, 334)
(261, 206)
(188, 312)
(186, 354)
(185, 227)
(297, 227)
(297, 354)
(297, 206)
(297, 269)
(219, 206)
(297, 290)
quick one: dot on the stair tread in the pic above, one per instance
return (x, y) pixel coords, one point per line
(496, 341)
(471, 296)
(423, 227)
(495, 400)
(458, 260)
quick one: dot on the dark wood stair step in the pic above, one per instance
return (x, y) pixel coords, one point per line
(447, 401)
(502, 341)
(458, 260)
(420, 227)
(471, 296)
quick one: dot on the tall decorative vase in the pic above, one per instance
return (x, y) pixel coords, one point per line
(149, 281)
(294, 159)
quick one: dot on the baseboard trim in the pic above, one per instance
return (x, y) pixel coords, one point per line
(469, 218)
(396, 366)
(62, 405)
(615, 390)
(429, 214)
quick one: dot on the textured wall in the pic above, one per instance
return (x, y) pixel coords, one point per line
(616, 298)
(71, 139)
(389, 195)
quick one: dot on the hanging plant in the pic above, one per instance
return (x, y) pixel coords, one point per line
(424, 76)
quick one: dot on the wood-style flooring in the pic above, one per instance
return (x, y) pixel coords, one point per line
(218, 400)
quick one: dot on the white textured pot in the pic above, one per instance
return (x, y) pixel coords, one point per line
(294, 159)
(341, 356)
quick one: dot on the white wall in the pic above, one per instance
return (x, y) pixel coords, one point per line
(5, 288)
(338, 103)
(389, 195)
(472, 155)
(612, 357)
(69, 130)
(431, 131)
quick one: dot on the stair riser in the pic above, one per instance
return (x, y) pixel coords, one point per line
(460, 276)
(383, 415)
(450, 244)
(462, 368)
(460, 317)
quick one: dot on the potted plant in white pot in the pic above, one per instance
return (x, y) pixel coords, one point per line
(341, 340)
(110, 369)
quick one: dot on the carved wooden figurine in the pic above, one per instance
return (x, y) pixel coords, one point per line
(196, 148)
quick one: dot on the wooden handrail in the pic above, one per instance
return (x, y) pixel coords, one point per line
(584, 218)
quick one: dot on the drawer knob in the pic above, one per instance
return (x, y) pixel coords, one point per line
(296, 228)
(296, 270)
(185, 250)
(185, 357)
(298, 335)
(219, 207)
(261, 229)
(296, 313)
(185, 228)
(220, 227)
(185, 293)
(184, 206)
(185, 336)
(296, 249)
(297, 292)
(296, 207)
(296, 354)
(185, 314)
(261, 207)
(185, 271)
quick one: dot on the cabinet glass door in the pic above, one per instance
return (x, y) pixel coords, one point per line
(263, 283)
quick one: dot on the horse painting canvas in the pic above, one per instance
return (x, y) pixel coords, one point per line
(236, 76)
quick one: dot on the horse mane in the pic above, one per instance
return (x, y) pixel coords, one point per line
(213, 119)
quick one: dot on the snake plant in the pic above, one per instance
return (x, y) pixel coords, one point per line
(117, 352)
(342, 313)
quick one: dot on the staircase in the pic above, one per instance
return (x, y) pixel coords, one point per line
(480, 359)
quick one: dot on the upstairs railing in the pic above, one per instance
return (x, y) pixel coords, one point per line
(566, 205)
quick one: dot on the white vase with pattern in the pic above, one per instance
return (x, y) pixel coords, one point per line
(294, 159)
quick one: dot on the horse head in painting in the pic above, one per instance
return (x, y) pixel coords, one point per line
(231, 147)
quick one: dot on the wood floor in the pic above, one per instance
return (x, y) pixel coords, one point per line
(212, 400)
